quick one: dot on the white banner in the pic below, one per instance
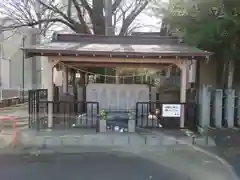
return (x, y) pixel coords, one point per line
(171, 110)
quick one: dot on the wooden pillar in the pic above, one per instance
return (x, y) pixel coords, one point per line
(183, 90)
(65, 82)
(74, 84)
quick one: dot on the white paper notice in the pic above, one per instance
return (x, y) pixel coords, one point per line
(171, 110)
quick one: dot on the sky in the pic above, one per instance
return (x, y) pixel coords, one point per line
(149, 24)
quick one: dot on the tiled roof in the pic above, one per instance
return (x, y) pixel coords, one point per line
(86, 45)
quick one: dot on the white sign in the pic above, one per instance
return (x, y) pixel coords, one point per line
(171, 110)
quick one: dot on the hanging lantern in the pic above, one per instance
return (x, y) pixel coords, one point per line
(192, 71)
(57, 77)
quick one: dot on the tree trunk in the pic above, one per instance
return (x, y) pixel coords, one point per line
(227, 71)
(97, 17)
(224, 75)
(231, 68)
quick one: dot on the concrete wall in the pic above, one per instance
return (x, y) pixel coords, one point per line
(12, 58)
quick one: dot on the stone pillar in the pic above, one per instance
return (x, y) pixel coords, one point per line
(204, 102)
(230, 93)
(218, 103)
(47, 78)
(183, 90)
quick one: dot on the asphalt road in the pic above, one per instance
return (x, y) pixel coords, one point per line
(235, 162)
(85, 166)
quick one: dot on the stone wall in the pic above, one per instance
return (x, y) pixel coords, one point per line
(10, 102)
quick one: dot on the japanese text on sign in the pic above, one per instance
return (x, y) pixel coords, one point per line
(171, 110)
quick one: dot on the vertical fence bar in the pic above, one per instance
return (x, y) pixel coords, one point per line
(218, 96)
(136, 115)
(37, 110)
(29, 109)
(98, 118)
(237, 123)
(212, 109)
(236, 117)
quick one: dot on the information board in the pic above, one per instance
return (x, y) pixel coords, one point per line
(171, 110)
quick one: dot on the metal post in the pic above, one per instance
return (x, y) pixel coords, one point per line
(1, 56)
(23, 64)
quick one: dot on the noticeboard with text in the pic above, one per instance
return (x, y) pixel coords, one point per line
(171, 110)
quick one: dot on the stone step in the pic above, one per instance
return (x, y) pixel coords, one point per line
(99, 139)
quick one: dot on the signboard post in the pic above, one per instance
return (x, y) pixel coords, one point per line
(171, 110)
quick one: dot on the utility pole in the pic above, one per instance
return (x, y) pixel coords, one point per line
(1, 58)
(23, 69)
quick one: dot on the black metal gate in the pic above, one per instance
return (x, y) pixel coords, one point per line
(145, 115)
(66, 114)
(34, 96)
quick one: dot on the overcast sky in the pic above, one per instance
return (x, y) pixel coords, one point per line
(150, 24)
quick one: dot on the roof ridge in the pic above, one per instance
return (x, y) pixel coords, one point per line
(101, 39)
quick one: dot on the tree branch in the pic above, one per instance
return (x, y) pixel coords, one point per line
(39, 22)
(83, 24)
(87, 7)
(134, 13)
(44, 13)
(58, 11)
(116, 4)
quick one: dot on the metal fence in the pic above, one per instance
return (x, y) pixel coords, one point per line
(65, 114)
(146, 110)
(34, 96)
(68, 114)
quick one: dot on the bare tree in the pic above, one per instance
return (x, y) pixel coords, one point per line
(27, 13)
(81, 16)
